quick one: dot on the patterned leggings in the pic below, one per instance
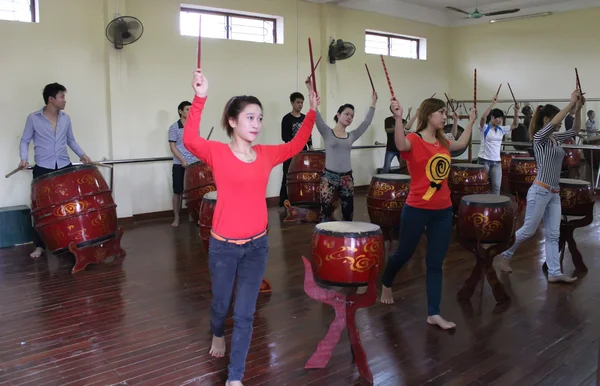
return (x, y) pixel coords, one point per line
(332, 183)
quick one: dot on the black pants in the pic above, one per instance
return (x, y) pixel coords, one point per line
(39, 171)
(283, 191)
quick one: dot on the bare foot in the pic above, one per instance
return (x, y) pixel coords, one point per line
(387, 297)
(505, 264)
(234, 383)
(175, 222)
(437, 320)
(217, 349)
(561, 279)
(37, 253)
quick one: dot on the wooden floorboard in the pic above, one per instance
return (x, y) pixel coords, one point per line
(146, 322)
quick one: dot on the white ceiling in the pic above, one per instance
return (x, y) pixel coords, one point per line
(435, 12)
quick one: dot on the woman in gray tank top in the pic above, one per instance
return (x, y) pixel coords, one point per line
(338, 166)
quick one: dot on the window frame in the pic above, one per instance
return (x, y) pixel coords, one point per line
(229, 15)
(391, 36)
(33, 13)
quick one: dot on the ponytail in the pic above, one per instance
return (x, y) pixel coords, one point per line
(537, 121)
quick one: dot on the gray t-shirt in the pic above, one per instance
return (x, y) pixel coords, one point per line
(337, 150)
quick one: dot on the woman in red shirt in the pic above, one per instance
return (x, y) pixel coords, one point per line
(238, 245)
(428, 205)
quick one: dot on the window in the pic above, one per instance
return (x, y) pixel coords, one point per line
(381, 43)
(225, 24)
(18, 10)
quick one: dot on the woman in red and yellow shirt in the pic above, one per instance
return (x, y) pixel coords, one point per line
(428, 205)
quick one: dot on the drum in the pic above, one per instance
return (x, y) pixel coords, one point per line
(572, 156)
(576, 197)
(386, 197)
(75, 205)
(207, 210)
(487, 218)
(198, 181)
(521, 174)
(304, 178)
(506, 157)
(466, 179)
(345, 252)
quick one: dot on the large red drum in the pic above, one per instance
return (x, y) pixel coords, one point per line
(522, 173)
(345, 252)
(572, 158)
(207, 210)
(505, 157)
(73, 210)
(386, 197)
(576, 197)
(466, 179)
(485, 218)
(304, 178)
(198, 181)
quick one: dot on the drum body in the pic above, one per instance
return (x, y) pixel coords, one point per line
(576, 197)
(304, 178)
(522, 173)
(506, 157)
(198, 181)
(487, 218)
(207, 211)
(572, 158)
(73, 205)
(386, 197)
(467, 179)
(345, 252)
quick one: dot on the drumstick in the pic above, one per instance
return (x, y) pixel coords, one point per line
(370, 79)
(387, 76)
(13, 172)
(210, 133)
(511, 93)
(316, 65)
(312, 66)
(475, 89)
(101, 164)
(433, 95)
(578, 82)
(450, 103)
(199, 48)
(498, 92)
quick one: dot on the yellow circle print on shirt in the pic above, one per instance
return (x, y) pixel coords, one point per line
(437, 169)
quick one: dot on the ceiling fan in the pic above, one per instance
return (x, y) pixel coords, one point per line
(476, 14)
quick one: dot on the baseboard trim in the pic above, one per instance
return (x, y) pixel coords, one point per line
(272, 202)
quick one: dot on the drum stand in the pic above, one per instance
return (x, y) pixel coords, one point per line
(97, 253)
(484, 266)
(567, 228)
(345, 307)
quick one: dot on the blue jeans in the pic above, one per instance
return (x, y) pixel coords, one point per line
(494, 171)
(387, 162)
(247, 263)
(541, 203)
(439, 229)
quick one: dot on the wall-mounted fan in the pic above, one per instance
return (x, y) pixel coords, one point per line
(476, 14)
(339, 50)
(123, 30)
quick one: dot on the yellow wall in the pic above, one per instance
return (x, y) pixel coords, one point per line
(122, 102)
(536, 56)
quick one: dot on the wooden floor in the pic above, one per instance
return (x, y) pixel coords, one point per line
(147, 321)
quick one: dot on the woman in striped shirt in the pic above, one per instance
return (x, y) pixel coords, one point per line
(543, 199)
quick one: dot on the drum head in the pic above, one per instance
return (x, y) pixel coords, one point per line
(488, 200)
(571, 181)
(392, 177)
(467, 166)
(210, 196)
(348, 228)
(64, 171)
(459, 131)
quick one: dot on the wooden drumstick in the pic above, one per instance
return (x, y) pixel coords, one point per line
(370, 79)
(498, 92)
(387, 76)
(433, 95)
(475, 89)
(450, 103)
(13, 172)
(96, 163)
(199, 48)
(210, 133)
(312, 66)
(578, 82)
(316, 65)
(511, 93)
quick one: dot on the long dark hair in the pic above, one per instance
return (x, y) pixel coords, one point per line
(537, 121)
(428, 107)
(234, 107)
